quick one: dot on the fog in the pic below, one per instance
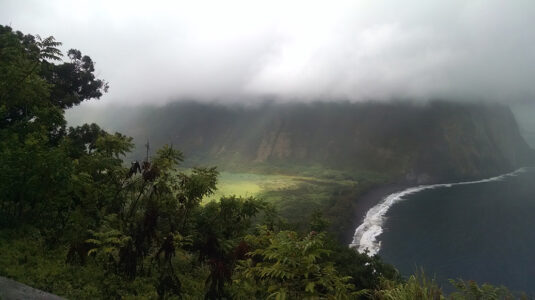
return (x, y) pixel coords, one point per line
(159, 51)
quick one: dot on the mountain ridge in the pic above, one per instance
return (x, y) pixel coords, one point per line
(416, 143)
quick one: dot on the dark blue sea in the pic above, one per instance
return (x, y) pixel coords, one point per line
(481, 231)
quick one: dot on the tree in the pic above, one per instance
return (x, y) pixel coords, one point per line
(74, 81)
(37, 172)
(220, 229)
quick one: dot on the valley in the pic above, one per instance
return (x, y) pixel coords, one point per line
(218, 150)
(307, 157)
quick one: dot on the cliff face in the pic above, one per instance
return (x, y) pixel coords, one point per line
(473, 141)
(420, 143)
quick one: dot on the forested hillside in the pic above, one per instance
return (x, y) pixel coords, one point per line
(436, 141)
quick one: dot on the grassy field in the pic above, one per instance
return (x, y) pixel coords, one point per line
(298, 192)
(296, 197)
(249, 184)
(258, 185)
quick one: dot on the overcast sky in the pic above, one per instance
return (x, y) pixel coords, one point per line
(157, 51)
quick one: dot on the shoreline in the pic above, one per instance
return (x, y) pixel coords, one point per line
(365, 201)
(375, 195)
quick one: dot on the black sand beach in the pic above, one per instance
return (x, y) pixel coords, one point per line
(368, 200)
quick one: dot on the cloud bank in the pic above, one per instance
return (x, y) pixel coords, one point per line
(157, 51)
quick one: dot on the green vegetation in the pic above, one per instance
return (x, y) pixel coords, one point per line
(249, 184)
(297, 197)
(436, 141)
(279, 189)
(75, 221)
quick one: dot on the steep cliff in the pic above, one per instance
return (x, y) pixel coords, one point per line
(415, 142)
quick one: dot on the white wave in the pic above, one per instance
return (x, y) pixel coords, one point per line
(365, 238)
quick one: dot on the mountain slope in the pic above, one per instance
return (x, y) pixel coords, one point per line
(419, 143)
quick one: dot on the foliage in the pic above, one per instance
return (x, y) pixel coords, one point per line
(415, 288)
(220, 228)
(365, 272)
(284, 265)
(32, 129)
(472, 291)
(74, 81)
(26, 258)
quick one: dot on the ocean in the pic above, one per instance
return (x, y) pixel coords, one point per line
(481, 230)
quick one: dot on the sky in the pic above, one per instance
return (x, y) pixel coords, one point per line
(241, 50)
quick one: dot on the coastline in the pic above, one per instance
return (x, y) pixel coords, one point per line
(370, 226)
(365, 201)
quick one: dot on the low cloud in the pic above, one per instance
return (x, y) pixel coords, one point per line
(157, 51)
